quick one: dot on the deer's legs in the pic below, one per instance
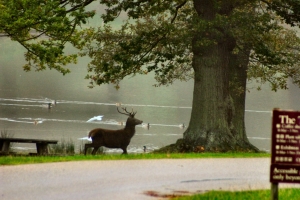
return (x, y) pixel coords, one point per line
(124, 150)
(86, 146)
(96, 147)
(95, 150)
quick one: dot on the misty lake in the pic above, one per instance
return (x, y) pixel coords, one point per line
(24, 98)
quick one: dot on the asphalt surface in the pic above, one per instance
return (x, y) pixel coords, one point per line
(132, 179)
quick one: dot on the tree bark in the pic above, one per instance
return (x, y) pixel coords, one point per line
(238, 81)
(214, 125)
(211, 116)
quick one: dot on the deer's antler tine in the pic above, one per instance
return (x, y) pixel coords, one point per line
(118, 110)
(125, 110)
(127, 113)
(121, 112)
(132, 113)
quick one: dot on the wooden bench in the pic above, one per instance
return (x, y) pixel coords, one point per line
(41, 145)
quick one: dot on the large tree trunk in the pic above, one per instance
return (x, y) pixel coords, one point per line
(211, 127)
(212, 109)
(238, 81)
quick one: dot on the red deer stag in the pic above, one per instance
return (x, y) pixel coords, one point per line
(114, 138)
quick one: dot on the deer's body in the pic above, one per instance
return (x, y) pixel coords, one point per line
(113, 138)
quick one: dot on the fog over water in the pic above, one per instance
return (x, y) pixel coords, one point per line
(24, 99)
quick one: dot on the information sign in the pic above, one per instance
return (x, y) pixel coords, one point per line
(285, 159)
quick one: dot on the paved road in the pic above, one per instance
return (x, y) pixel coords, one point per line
(131, 179)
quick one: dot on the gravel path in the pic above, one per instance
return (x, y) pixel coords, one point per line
(131, 179)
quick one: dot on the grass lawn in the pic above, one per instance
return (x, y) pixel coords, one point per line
(24, 159)
(284, 194)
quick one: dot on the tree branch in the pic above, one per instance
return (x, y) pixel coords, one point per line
(177, 8)
(87, 2)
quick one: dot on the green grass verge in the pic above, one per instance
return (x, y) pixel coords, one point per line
(291, 194)
(24, 159)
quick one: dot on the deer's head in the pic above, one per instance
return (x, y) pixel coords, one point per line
(130, 120)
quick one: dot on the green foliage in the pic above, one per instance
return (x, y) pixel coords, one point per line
(156, 36)
(289, 10)
(44, 28)
(149, 43)
(274, 56)
(161, 36)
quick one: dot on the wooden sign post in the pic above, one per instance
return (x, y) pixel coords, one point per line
(285, 158)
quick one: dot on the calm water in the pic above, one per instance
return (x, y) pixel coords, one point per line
(24, 97)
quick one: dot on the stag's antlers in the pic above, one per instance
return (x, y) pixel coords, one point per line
(131, 114)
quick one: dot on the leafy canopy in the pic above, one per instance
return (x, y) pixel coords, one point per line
(158, 35)
(44, 28)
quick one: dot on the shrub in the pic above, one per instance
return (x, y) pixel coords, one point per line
(6, 134)
(63, 147)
